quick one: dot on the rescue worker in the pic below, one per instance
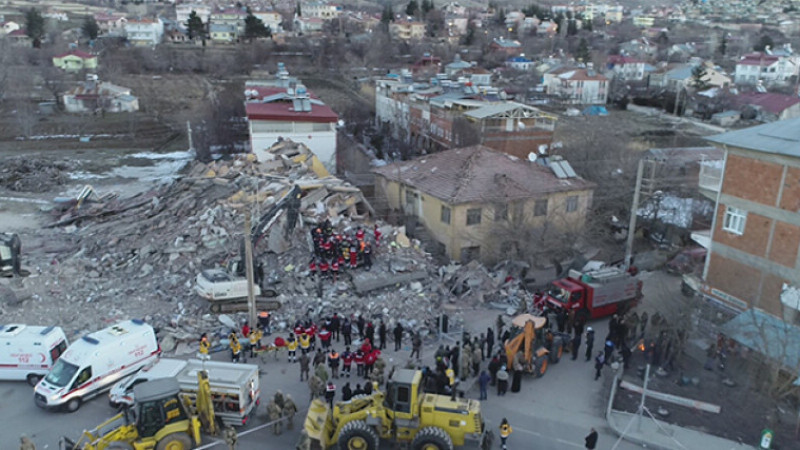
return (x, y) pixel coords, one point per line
(325, 337)
(230, 437)
(255, 341)
(263, 322)
(274, 414)
(378, 370)
(382, 335)
(291, 347)
(359, 358)
(377, 233)
(323, 268)
(347, 361)
(368, 256)
(505, 432)
(330, 393)
(335, 269)
(333, 363)
(336, 325)
(236, 347)
(398, 336)
(304, 366)
(288, 412)
(347, 331)
(305, 343)
(319, 358)
(205, 346)
(353, 255)
(369, 361)
(278, 398)
(360, 234)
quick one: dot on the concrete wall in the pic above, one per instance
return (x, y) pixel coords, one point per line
(322, 143)
(353, 161)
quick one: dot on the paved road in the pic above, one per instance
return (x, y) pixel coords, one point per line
(554, 412)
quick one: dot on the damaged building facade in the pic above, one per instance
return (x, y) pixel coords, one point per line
(473, 200)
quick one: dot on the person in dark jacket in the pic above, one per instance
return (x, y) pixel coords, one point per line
(382, 336)
(347, 392)
(576, 344)
(398, 337)
(483, 382)
(589, 343)
(489, 341)
(591, 439)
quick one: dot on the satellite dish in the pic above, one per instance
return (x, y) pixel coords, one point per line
(542, 149)
(520, 125)
(532, 157)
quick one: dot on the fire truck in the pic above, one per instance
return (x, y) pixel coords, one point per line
(601, 292)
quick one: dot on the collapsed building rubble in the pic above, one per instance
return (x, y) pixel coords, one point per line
(26, 174)
(117, 258)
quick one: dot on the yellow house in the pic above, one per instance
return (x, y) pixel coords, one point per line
(477, 202)
(75, 60)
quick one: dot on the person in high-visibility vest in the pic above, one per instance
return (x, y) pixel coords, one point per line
(305, 343)
(291, 346)
(205, 346)
(254, 338)
(505, 432)
(236, 347)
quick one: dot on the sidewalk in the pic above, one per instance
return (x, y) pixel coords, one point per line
(665, 436)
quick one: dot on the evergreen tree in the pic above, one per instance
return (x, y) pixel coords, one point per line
(763, 43)
(427, 5)
(195, 26)
(723, 45)
(254, 27)
(500, 17)
(582, 54)
(572, 27)
(698, 75)
(90, 28)
(587, 24)
(412, 8)
(34, 26)
(469, 38)
(297, 11)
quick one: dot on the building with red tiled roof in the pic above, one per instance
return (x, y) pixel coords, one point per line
(767, 68)
(290, 112)
(770, 106)
(577, 85)
(476, 201)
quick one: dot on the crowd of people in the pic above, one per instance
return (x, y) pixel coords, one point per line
(337, 251)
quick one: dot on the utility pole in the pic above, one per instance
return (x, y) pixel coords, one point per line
(644, 396)
(248, 257)
(634, 207)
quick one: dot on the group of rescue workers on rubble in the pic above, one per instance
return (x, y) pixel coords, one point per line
(336, 251)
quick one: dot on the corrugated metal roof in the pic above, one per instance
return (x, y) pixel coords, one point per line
(780, 138)
(767, 335)
(498, 108)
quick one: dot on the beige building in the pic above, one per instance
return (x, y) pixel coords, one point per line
(471, 200)
(405, 30)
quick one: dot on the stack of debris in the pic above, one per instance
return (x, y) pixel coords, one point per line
(26, 174)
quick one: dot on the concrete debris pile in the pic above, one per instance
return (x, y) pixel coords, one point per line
(502, 288)
(25, 174)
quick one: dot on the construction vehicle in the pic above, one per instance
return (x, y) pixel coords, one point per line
(10, 263)
(593, 293)
(533, 346)
(402, 414)
(226, 288)
(158, 420)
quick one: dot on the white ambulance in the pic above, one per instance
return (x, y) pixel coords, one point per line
(95, 362)
(29, 352)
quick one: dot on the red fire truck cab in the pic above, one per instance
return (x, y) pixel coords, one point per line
(602, 292)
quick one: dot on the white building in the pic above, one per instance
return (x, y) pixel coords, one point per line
(577, 85)
(144, 31)
(320, 10)
(91, 96)
(271, 19)
(291, 113)
(183, 11)
(767, 68)
(626, 68)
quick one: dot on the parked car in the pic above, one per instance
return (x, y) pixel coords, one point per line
(687, 261)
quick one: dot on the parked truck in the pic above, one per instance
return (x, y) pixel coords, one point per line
(596, 293)
(234, 388)
(226, 287)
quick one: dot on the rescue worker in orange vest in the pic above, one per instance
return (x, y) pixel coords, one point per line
(205, 346)
(291, 346)
(505, 432)
(333, 363)
(305, 343)
(263, 322)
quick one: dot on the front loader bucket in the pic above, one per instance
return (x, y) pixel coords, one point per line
(65, 443)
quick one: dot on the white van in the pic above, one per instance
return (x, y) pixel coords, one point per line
(122, 392)
(29, 352)
(95, 362)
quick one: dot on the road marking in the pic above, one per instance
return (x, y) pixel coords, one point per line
(561, 441)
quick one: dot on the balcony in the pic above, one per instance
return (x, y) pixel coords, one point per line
(710, 178)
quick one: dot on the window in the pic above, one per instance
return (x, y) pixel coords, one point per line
(572, 203)
(540, 208)
(445, 216)
(473, 216)
(734, 221)
(500, 212)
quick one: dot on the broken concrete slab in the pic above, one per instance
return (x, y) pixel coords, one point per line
(365, 282)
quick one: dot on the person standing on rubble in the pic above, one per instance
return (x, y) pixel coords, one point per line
(336, 324)
(263, 322)
(347, 331)
(353, 255)
(398, 336)
(347, 361)
(359, 359)
(377, 233)
(205, 346)
(382, 335)
(368, 257)
(333, 363)
(360, 324)
(325, 338)
(369, 332)
(416, 346)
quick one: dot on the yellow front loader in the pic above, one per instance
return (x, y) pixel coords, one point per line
(158, 420)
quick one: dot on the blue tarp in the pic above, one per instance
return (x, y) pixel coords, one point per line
(595, 110)
(768, 335)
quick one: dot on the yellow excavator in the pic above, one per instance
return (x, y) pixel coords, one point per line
(158, 420)
(532, 345)
(401, 414)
